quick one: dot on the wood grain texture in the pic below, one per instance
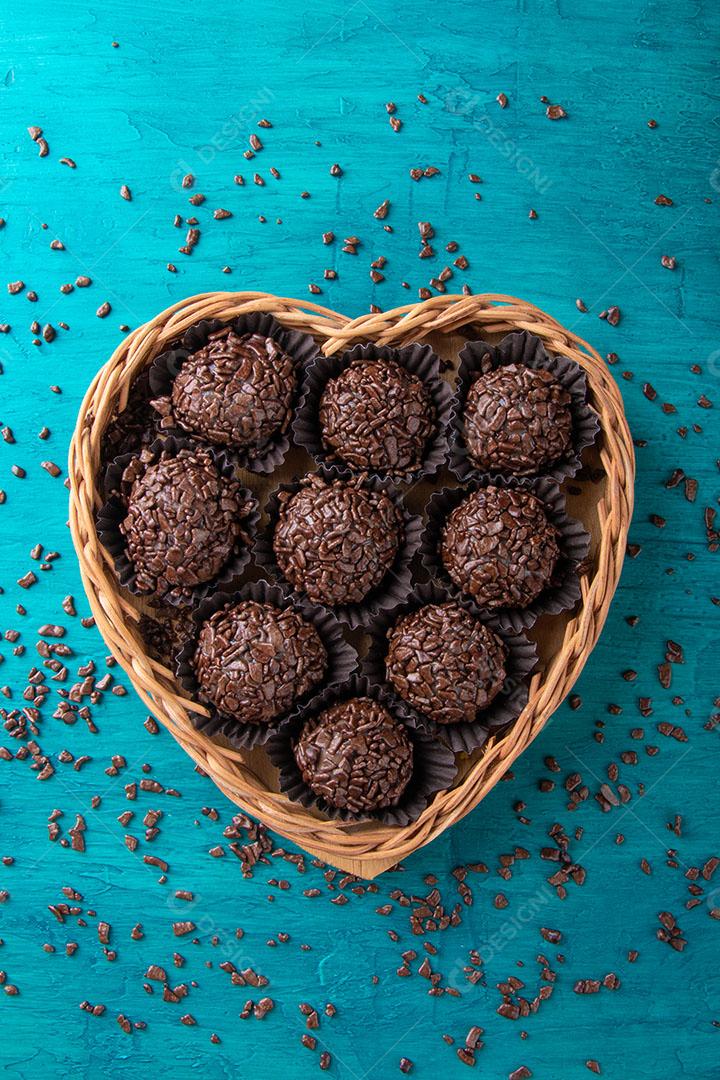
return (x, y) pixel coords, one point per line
(181, 94)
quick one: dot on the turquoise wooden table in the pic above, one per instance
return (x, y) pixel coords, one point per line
(566, 214)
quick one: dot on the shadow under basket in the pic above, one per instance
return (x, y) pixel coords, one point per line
(601, 496)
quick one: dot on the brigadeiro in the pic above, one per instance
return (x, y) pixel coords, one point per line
(445, 662)
(133, 428)
(519, 411)
(509, 545)
(254, 656)
(376, 415)
(234, 386)
(517, 420)
(499, 547)
(335, 538)
(164, 631)
(355, 752)
(178, 522)
(254, 660)
(235, 391)
(458, 671)
(377, 409)
(356, 756)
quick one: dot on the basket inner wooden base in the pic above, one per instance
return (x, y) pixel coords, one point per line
(247, 777)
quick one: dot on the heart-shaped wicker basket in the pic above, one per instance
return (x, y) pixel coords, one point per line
(603, 502)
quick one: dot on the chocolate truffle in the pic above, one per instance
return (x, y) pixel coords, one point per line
(499, 546)
(335, 540)
(253, 660)
(236, 391)
(183, 521)
(165, 631)
(356, 755)
(445, 662)
(517, 420)
(377, 415)
(135, 427)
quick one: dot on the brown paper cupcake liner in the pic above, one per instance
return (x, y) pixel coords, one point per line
(504, 709)
(434, 765)
(522, 348)
(563, 591)
(301, 348)
(114, 511)
(396, 584)
(342, 662)
(418, 359)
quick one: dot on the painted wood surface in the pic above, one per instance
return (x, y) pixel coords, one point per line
(181, 94)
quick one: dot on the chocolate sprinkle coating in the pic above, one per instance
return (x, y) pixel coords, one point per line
(132, 429)
(356, 755)
(253, 660)
(517, 420)
(377, 415)
(236, 391)
(165, 631)
(183, 521)
(445, 662)
(335, 540)
(499, 547)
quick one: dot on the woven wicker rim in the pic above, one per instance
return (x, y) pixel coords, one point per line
(364, 849)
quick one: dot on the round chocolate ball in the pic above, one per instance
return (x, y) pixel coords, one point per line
(165, 631)
(377, 415)
(517, 420)
(135, 427)
(236, 391)
(182, 523)
(356, 755)
(445, 662)
(499, 547)
(335, 540)
(254, 660)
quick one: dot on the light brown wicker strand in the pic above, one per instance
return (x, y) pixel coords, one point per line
(366, 849)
